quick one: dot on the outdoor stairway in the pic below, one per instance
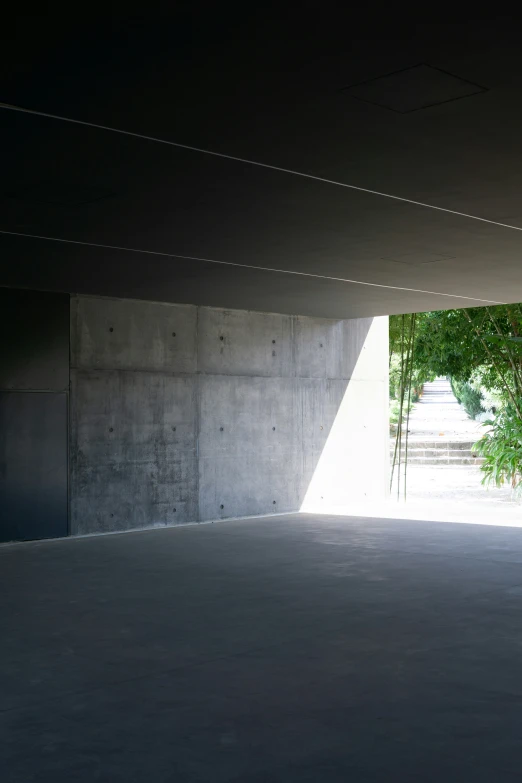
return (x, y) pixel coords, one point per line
(438, 452)
(440, 432)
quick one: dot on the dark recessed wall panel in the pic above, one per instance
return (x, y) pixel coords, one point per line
(33, 465)
(34, 340)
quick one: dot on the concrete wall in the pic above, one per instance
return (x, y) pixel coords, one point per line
(182, 413)
(347, 456)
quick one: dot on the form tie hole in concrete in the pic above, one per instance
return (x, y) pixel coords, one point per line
(273, 342)
(111, 429)
(273, 353)
(111, 329)
(273, 429)
(221, 338)
(173, 429)
(273, 502)
(221, 429)
(222, 507)
(112, 516)
(320, 345)
(173, 334)
(174, 510)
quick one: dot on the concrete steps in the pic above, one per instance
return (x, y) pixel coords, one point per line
(441, 461)
(437, 453)
(440, 433)
(457, 453)
(453, 445)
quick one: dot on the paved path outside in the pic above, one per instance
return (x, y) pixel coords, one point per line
(438, 415)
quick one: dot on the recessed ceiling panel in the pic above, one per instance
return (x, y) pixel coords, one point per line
(418, 258)
(413, 89)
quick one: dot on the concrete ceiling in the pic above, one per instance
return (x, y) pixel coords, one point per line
(429, 113)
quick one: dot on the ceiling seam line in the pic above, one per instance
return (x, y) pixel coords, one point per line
(240, 266)
(259, 164)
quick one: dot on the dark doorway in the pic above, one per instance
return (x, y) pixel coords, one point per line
(34, 386)
(33, 465)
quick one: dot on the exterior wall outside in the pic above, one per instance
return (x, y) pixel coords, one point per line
(182, 413)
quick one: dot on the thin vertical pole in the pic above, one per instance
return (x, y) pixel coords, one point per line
(401, 407)
(410, 380)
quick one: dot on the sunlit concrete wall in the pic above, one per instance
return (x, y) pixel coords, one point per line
(350, 463)
(182, 414)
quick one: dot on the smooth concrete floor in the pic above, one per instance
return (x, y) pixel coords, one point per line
(293, 648)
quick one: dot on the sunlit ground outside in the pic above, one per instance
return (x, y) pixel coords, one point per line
(438, 497)
(443, 478)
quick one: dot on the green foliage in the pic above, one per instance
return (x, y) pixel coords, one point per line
(501, 448)
(472, 401)
(456, 387)
(493, 400)
(470, 398)
(480, 349)
(478, 345)
(395, 411)
(447, 345)
(395, 379)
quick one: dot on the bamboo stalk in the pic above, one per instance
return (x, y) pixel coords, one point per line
(405, 394)
(410, 380)
(398, 435)
(401, 409)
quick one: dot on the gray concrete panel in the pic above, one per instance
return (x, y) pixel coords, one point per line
(347, 460)
(319, 347)
(235, 342)
(319, 401)
(255, 484)
(133, 450)
(327, 348)
(247, 413)
(249, 446)
(365, 349)
(121, 334)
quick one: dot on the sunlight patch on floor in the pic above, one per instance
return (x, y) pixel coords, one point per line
(509, 515)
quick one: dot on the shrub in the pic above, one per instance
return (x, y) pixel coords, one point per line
(501, 448)
(471, 399)
(394, 412)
